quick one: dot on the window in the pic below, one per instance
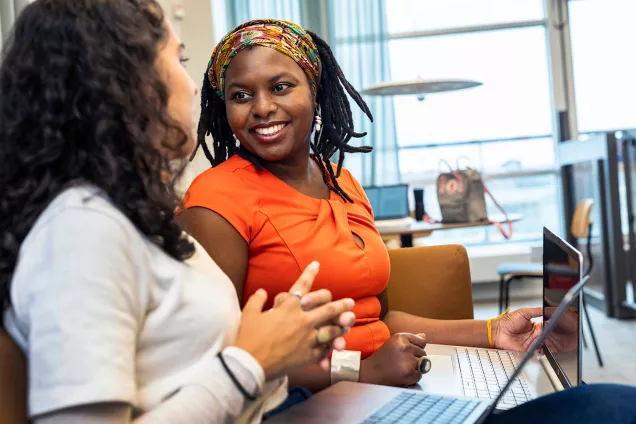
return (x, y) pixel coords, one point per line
(502, 128)
(423, 15)
(514, 100)
(604, 80)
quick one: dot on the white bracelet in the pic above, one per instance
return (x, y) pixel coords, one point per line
(345, 366)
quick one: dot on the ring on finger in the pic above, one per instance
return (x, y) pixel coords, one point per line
(298, 294)
(321, 337)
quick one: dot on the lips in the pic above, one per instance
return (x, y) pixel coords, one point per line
(269, 133)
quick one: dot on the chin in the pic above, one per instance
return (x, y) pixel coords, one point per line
(274, 153)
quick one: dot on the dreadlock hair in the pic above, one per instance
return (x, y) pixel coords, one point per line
(333, 105)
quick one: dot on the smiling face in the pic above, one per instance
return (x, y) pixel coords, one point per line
(269, 104)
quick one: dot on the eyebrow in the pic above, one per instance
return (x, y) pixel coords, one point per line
(271, 80)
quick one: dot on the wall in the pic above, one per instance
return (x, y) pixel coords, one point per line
(195, 30)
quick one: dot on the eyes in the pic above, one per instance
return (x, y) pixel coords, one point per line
(278, 88)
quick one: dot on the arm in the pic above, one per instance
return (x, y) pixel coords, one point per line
(221, 240)
(208, 228)
(450, 332)
(214, 400)
(312, 377)
(86, 300)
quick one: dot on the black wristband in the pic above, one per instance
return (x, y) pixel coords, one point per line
(234, 379)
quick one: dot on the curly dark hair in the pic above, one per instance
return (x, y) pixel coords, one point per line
(81, 102)
(333, 104)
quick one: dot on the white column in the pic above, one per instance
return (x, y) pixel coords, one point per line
(19, 5)
(7, 15)
(560, 62)
(196, 32)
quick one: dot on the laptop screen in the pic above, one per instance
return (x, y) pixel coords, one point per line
(562, 269)
(389, 202)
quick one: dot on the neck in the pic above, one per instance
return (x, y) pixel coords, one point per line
(297, 168)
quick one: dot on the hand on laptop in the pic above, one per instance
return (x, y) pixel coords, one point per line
(516, 331)
(396, 362)
(565, 336)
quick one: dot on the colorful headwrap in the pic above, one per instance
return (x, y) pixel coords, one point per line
(283, 36)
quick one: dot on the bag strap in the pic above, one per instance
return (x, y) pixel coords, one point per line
(439, 167)
(498, 224)
(459, 159)
(430, 220)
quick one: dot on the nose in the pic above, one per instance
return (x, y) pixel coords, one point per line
(263, 105)
(193, 86)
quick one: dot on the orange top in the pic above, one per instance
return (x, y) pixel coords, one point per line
(287, 230)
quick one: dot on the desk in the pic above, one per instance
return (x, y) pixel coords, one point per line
(423, 229)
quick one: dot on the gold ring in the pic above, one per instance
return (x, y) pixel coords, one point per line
(321, 338)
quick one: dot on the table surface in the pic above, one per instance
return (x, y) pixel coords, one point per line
(423, 227)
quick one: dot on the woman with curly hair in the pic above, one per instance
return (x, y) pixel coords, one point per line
(95, 108)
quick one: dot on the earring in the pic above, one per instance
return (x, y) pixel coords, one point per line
(318, 123)
(236, 140)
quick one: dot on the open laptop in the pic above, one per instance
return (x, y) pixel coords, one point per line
(480, 373)
(358, 402)
(561, 272)
(390, 204)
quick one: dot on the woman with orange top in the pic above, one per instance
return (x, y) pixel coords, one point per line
(273, 202)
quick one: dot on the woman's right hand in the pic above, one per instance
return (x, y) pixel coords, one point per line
(291, 334)
(396, 363)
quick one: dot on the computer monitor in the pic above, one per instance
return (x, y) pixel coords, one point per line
(389, 202)
(562, 269)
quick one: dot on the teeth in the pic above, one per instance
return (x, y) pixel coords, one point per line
(270, 130)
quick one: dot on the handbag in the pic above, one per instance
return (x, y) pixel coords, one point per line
(461, 194)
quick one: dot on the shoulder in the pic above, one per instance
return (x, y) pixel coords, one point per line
(234, 173)
(81, 212)
(349, 183)
(236, 179)
(232, 169)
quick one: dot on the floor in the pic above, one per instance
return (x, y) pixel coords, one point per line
(616, 338)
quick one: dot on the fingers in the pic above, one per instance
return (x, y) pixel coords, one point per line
(306, 279)
(346, 319)
(328, 334)
(255, 303)
(279, 298)
(319, 353)
(329, 313)
(417, 340)
(529, 313)
(339, 344)
(314, 299)
(325, 364)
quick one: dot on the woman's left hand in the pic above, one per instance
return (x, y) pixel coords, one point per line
(515, 331)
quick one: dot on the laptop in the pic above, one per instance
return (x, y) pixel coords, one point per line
(480, 373)
(390, 204)
(348, 402)
(561, 272)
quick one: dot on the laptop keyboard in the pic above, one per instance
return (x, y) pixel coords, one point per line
(485, 372)
(415, 407)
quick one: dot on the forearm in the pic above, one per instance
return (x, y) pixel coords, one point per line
(312, 377)
(210, 397)
(192, 404)
(449, 332)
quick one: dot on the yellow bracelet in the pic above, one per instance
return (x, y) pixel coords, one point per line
(489, 326)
